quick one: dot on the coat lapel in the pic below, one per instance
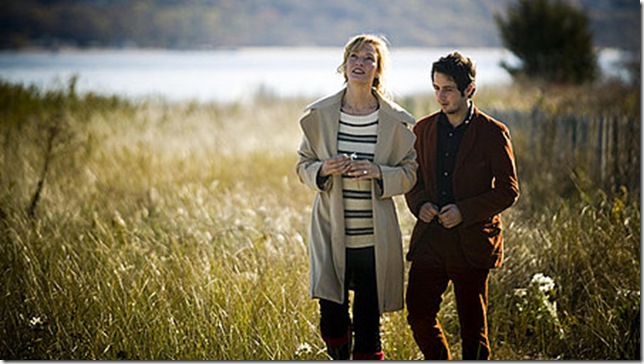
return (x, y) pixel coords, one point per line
(382, 146)
(432, 152)
(466, 144)
(389, 116)
(332, 125)
(326, 125)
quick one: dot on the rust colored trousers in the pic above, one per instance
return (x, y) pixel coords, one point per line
(440, 261)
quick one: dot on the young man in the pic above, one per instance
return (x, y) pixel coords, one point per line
(466, 177)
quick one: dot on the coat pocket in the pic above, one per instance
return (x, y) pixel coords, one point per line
(483, 243)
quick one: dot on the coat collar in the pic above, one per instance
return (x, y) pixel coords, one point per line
(387, 107)
(322, 129)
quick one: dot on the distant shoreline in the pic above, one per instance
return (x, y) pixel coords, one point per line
(239, 73)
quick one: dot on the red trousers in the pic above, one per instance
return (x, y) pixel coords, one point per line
(440, 261)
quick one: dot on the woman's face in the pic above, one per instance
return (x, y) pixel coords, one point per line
(362, 65)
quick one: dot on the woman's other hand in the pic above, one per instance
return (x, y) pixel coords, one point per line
(335, 166)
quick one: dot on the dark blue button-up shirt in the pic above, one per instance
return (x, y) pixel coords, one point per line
(449, 141)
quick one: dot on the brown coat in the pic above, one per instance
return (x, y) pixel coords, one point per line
(396, 157)
(485, 183)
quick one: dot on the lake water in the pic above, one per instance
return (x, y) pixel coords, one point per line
(228, 75)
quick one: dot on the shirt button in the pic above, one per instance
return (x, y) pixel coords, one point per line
(447, 154)
(451, 134)
(445, 174)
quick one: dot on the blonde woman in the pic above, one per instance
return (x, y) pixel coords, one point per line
(357, 152)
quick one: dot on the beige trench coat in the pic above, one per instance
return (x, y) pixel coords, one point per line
(396, 156)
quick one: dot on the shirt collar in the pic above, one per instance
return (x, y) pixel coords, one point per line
(468, 118)
(470, 112)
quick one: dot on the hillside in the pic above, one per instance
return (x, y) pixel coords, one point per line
(232, 23)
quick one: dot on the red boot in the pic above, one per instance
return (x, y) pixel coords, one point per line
(339, 348)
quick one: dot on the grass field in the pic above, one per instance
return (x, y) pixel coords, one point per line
(151, 230)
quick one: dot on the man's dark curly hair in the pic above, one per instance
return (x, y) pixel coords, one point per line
(460, 68)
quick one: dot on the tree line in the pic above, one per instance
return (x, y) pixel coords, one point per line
(229, 23)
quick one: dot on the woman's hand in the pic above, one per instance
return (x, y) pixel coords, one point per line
(335, 166)
(363, 169)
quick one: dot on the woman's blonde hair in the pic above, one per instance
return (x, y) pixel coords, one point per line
(355, 44)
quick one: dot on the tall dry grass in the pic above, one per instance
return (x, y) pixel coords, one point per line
(179, 231)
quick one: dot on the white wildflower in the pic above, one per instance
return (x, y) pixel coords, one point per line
(303, 348)
(38, 323)
(35, 321)
(520, 292)
(543, 282)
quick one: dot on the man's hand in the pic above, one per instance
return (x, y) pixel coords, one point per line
(427, 212)
(450, 216)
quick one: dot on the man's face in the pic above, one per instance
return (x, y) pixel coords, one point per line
(447, 95)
